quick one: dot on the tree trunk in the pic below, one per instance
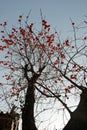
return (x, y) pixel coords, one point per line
(79, 116)
(28, 121)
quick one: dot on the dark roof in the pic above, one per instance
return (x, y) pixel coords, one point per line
(7, 115)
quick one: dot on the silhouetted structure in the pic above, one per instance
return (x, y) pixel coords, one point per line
(79, 116)
(8, 121)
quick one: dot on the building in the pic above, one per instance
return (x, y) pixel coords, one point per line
(9, 121)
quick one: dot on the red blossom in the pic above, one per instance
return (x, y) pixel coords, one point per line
(1, 84)
(31, 25)
(74, 66)
(58, 46)
(10, 53)
(27, 17)
(72, 46)
(1, 62)
(8, 42)
(14, 29)
(67, 90)
(8, 77)
(67, 43)
(79, 68)
(56, 62)
(62, 62)
(50, 39)
(22, 31)
(44, 91)
(21, 49)
(73, 76)
(55, 81)
(85, 38)
(62, 55)
(10, 36)
(2, 31)
(73, 23)
(5, 24)
(12, 68)
(20, 16)
(71, 86)
(5, 64)
(45, 25)
(44, 22)
(1, 48)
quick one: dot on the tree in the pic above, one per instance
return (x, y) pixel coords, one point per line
(28, 66)
(74, 71)
(78, 117)
(39, 65)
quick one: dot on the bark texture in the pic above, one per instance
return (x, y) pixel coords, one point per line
(28, 122)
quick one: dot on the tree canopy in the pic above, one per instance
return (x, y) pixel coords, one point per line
(39, 64)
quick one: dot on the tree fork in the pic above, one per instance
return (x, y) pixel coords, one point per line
(28, 120)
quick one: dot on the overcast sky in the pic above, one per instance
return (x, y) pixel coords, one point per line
(57, 12)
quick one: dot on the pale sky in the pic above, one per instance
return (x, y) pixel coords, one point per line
(57, 12)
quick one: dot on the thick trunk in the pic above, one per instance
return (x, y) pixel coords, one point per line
(28, 122)
(79, 116)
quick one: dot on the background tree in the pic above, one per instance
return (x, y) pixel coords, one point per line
(74, 73)
(38, 65)
(78, 117)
